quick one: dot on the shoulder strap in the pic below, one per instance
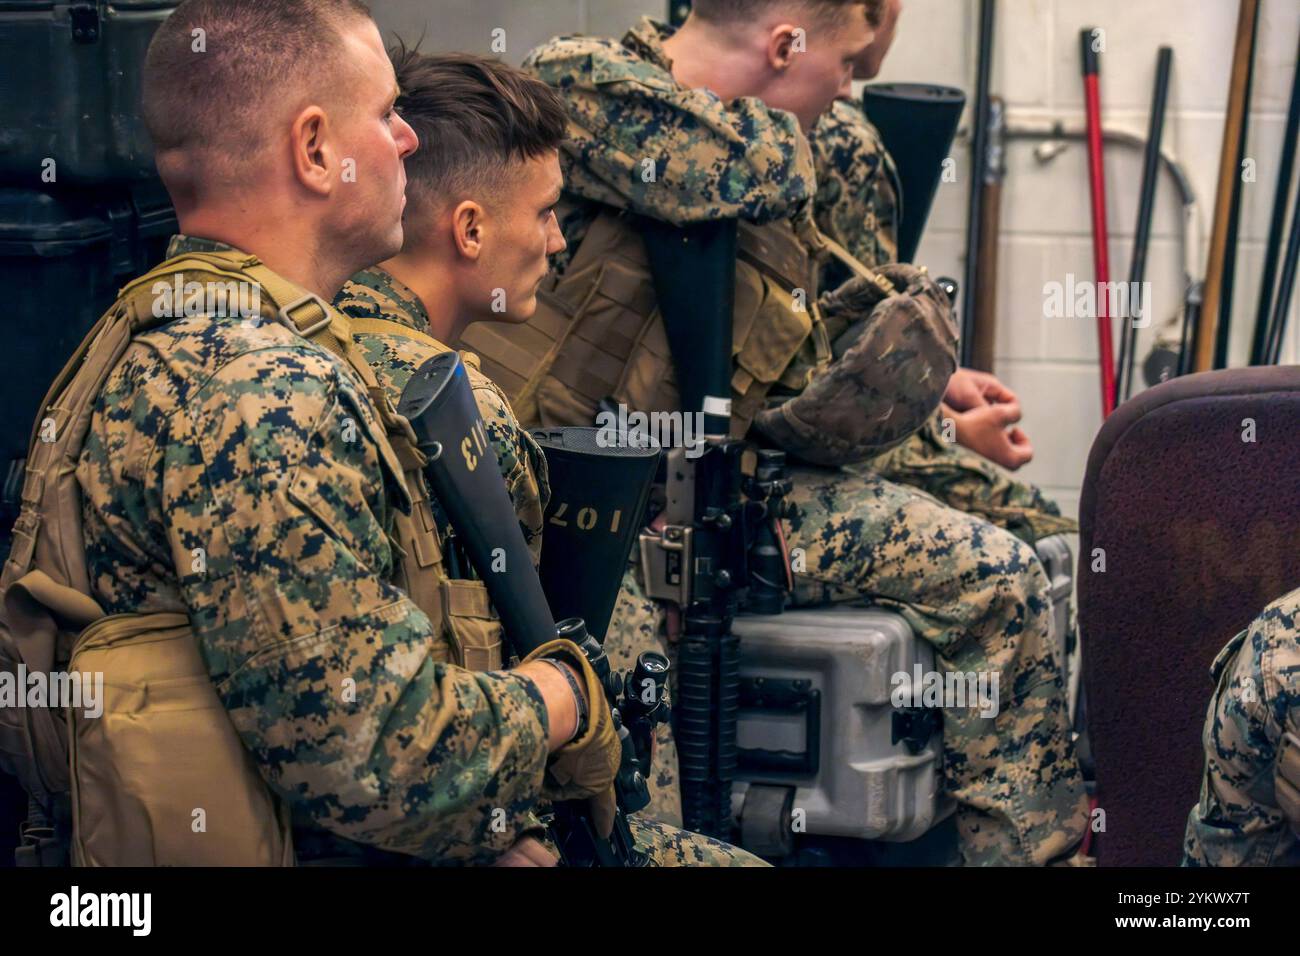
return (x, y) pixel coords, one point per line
(827, 245)
(304, 312)
(369, 324)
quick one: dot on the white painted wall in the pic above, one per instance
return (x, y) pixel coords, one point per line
(1046, 226)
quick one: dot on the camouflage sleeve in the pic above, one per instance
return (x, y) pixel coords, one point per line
(639, 140)
(892, 367)
(1239, 820)
(523, 465)
(857, 201)
(328, 675)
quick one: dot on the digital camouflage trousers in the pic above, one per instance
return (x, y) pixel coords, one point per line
(975, 592)
(978, 595)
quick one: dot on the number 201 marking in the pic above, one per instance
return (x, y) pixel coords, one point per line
(586, 518)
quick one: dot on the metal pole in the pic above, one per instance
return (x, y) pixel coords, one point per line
(1142, 233)
(979, 159)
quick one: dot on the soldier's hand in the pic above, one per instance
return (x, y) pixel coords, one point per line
(985, 430)
(528, 851)
(585, 767)
(969, 388)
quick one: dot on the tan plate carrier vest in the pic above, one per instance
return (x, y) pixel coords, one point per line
(597, 331)
(164, 746)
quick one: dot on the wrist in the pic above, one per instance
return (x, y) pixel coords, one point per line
(580, 719)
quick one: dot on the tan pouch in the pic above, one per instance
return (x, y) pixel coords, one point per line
(160, 778)
(476, 630)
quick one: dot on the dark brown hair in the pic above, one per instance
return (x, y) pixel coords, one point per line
(476, 117)
(214, 66)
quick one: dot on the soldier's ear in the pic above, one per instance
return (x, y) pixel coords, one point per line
(311, 150)
(780, 46)
(467, 227)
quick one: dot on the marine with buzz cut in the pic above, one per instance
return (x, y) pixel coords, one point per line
(245, 509)
(709, 122)
(857, 204)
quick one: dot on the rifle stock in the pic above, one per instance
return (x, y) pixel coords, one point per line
(462, 473)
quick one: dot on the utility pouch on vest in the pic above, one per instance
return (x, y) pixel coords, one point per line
(474, 624)
(161, 720)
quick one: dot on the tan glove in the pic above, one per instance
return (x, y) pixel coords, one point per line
(586, 766)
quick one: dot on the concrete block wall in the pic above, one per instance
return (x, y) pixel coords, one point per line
(1046, 230)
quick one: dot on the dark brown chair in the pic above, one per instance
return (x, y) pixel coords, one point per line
(1199, 530)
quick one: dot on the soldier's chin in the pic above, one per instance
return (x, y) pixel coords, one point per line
(392, 243)
(524, 312)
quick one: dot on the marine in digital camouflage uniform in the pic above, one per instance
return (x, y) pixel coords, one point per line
(974, 591)
(376, 293)
(262, 448)
(1248, 813)
(857, 204)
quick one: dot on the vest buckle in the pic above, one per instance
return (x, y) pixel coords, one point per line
(286, 315)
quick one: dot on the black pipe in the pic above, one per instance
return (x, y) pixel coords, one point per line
(1142, 233)
(1224, 331)
(1284, 288)
(979, 162)
(1191, 316)
(1259, 344)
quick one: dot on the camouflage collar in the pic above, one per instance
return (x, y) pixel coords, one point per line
(181, 243)
(646, 40)
(396, 300)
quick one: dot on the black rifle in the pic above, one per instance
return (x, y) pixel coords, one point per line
(720, 540)
(462, 473)
(916, 122)
(600, 483)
